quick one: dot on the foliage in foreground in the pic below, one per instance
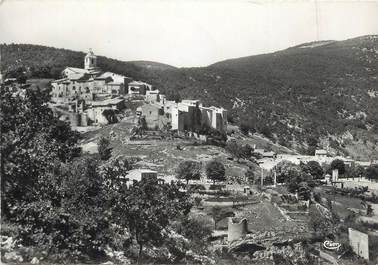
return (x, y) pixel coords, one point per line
(32, 141)
(73, 207)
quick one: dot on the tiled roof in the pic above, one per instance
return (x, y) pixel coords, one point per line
(77, 70)
(106, 102)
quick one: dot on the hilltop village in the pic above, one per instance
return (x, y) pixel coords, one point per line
(246, 199)
(92, 96)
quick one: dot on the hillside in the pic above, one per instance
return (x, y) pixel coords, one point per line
(48, 62)
(314, 94)
(153, 65)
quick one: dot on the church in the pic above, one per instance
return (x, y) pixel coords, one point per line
(89, 83)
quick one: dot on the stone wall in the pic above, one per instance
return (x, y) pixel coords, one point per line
(359, 242)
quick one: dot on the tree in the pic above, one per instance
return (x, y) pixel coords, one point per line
(239, 151)
(339, 165)
(215, 171)
(143, 123)
(116, 172)
(369, 210)
(265, 130)
(304, 191)
(372, 172)
(234, 149)
(189, 170)
(314, 169)
(69, 215)
(245, 127)
(246, 151)
(151, 206)
(320, 223)
(32, 139)
(251, 176)
(286, 170)
(110, 115)
(312, 142)
(295, 181)
(355, 171)
(197, 229)
(104, 149)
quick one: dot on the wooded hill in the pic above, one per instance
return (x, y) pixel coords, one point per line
(314, 94)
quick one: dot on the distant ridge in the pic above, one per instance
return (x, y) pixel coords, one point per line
(153, 65)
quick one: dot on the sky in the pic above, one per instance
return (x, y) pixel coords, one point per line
(183, 32)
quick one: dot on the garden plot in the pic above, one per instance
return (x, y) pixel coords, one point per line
(264, 216)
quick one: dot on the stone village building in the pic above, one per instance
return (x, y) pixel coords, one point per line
(88, 92)
(187, 115)
(91, 83)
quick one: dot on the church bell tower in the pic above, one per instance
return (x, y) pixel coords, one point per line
(90, 60)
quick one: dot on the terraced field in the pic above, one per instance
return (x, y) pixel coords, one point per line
(161, 155)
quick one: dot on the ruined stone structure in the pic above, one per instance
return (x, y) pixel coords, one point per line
(359, 242)
(237, 230)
